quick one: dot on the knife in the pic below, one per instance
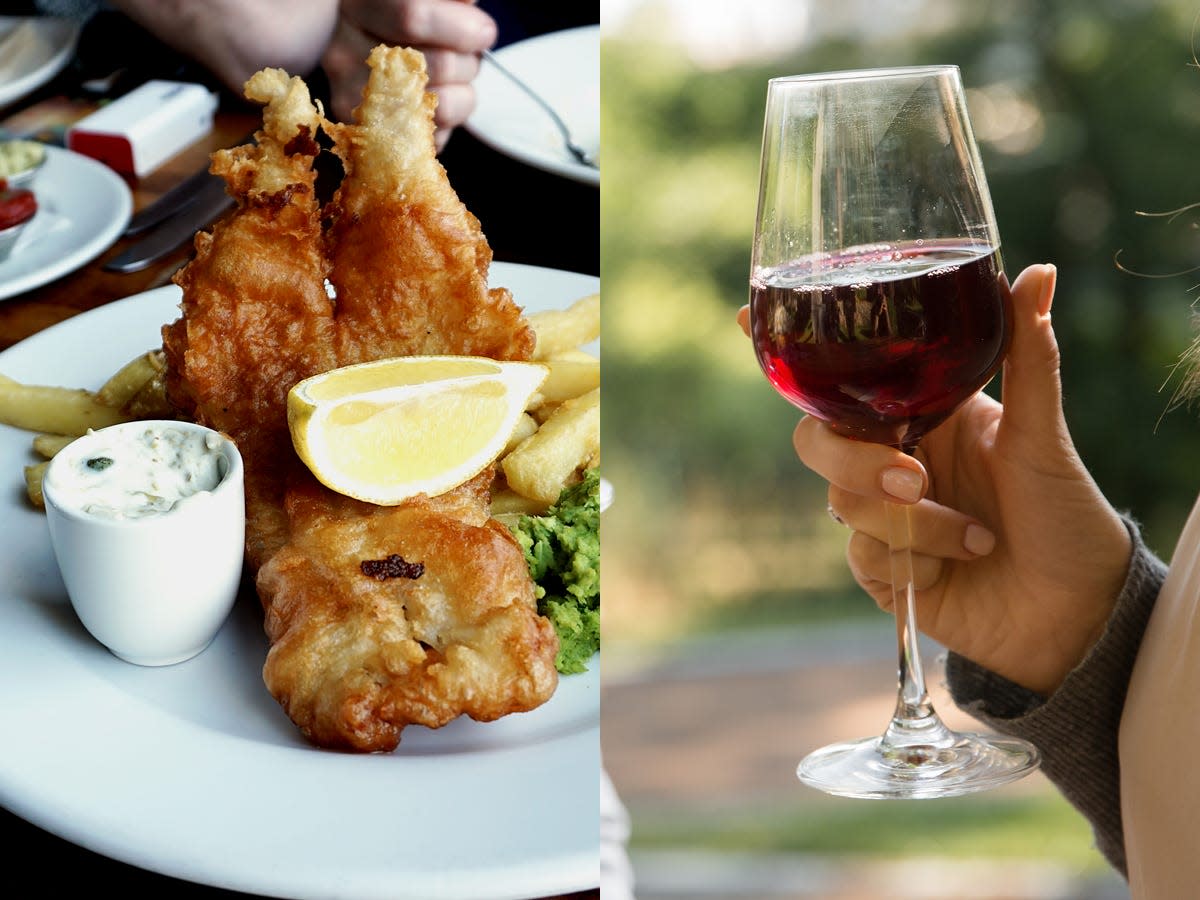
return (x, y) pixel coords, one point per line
(206, 205)
(173, 201)
(176, 199)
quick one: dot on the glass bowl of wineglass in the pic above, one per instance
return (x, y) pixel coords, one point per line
(878, 304)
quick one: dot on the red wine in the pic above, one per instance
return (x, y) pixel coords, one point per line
(883, 342)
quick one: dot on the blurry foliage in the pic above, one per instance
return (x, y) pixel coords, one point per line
(1012, 827)
(1108, 96)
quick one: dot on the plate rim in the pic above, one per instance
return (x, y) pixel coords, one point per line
(19, 88)
(93, 243)
(532, 157)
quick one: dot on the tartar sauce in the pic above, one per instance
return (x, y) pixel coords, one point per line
(18, 156)
(141, 472)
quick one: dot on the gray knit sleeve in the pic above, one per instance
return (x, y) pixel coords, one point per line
(1076, 727)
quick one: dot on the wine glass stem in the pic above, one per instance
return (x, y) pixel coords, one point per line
(914, 723)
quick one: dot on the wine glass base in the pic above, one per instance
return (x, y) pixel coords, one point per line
(869, 769)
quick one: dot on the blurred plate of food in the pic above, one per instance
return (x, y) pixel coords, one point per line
(564, 68)
(32, 51)
(82, 207)
(194, 771)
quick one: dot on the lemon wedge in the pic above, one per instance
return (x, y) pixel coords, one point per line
(387, 430)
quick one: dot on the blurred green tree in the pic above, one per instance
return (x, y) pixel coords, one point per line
(1088, 114)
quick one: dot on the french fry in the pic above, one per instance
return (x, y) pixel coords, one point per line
(561, 330)
(127, 381)
(33, 483)
(575, 355)
(567, 379)
(540, 410)
(56, 410)
(47, 445)
(545, 462)
(526, 426)
(507, 502)
(150, 402)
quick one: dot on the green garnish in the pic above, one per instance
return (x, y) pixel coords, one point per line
(562, 549)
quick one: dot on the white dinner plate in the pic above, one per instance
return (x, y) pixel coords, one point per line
(564, 68)
(83, 206)
(32, 51)
(195, 772)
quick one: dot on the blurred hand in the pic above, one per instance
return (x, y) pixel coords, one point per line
(450, 34)
(235, 38)
(1018, 557)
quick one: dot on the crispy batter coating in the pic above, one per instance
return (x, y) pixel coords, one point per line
(409, 260)
(354, 659)
(256, 316)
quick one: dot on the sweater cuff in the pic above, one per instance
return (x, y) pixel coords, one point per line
(1107, 664)
(1076, 727)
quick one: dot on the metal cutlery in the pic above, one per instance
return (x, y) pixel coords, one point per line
(573, 147)
(173, 202)
(170, 230)
(173, 219)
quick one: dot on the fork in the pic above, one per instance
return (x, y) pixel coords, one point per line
(572, 146)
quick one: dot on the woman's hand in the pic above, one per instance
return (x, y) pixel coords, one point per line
(1018, 557)
(450, 33)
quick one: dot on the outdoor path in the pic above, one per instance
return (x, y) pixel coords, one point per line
(717, 726)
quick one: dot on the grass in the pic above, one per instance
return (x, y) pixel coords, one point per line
(1027, 828)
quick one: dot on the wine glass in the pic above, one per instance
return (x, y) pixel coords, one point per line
(878, 304)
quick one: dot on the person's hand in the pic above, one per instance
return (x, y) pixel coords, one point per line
(1018, 557)
(450, 33)
(233, 39)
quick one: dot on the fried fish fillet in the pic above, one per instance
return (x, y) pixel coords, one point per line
(409, 261)
(356, 656)
(377, 617)
(256, 317)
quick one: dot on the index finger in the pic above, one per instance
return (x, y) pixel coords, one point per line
(867, 469)
(743, 319)
(452, 24)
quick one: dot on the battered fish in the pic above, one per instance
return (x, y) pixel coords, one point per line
(377, 617)
(409, 260)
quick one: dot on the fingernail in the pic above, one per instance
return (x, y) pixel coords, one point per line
(903, 484)
(979, 540)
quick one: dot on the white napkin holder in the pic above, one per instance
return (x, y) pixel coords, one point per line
(141, 130)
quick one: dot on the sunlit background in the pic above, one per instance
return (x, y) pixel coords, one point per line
(735, 641)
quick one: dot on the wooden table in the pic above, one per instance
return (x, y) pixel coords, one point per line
(91, 286)
(540, 241)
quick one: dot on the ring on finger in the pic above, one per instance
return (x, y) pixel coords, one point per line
(833, 514)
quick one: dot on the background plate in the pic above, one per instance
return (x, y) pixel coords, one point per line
(83, 206)
(32, 51)
(564, 68)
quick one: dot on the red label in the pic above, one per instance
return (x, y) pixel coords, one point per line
(114, 151)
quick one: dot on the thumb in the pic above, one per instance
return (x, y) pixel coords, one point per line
(1032, 390)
